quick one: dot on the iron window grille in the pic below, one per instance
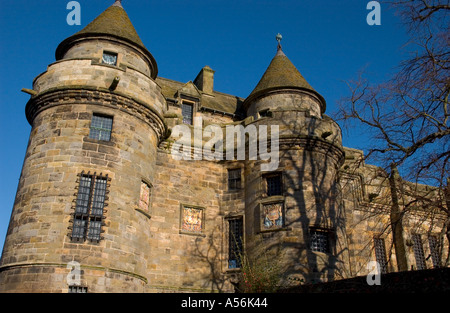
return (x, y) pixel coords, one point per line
(380, 254)
(273, 184)
(319, 240)
(234, 179)
(101, 127)
(235, 242)
(77, 289)
(187, 111)
(90, 207)
(434, 250)
(418, 252)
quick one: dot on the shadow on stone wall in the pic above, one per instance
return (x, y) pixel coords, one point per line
(428, 281)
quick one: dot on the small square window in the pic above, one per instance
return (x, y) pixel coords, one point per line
(109, 58)
(320, 240)
(101, 127)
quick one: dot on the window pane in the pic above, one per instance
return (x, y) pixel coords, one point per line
(434, 250)
(84, 190)
(101, 127)
(380, 254)
(418, 252)
(186, 111)
(319, 241)
(98, 200)
(79, 228)
(94, 229)
(234, 179)
(235, 242)
(109, 58)
(273, 185)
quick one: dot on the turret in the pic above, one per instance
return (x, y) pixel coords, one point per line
(80, 221)
(292, 212)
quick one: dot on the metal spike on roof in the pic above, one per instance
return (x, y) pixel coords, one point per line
(118, 3)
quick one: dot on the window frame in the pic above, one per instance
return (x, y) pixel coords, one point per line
(110, 53)
(419, 254)
(86, 224)
(316, 246)
(234, 256)
(234, 183)
(265, 184)
(379, 247)
(101, 130)
(190, 103)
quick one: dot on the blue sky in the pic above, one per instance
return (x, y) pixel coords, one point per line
(328, 41)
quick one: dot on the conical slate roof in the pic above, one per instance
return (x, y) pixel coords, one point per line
(114, 22)
(282, 74)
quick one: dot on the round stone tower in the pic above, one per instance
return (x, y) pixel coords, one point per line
(292, 213)
(80, 219)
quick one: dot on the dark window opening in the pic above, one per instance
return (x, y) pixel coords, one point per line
(418, 252)
(380, 254)
(273, 184)
(320, 240)
(89, 208)
(234, 179)
(187, 110)
(235, 242)
(434, 250)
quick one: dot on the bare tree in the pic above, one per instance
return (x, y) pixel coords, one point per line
(408, 116)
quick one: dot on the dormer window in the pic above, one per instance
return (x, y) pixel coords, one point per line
(109, 58)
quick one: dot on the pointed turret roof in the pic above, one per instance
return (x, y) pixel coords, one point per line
(113, 22)
(282, 74)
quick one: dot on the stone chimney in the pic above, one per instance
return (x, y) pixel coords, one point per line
(205, 80)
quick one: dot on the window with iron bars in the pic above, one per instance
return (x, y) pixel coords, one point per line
(234, 179)
(418, 252)
(273, 184)
(77, 289)
(434, 250)
(380, 254)
(90, 206)
(101, 127)
(235, 242)
(319, 240)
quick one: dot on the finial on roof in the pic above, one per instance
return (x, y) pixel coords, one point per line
(118, 3)
(278, 37)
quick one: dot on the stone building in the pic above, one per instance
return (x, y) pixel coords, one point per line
(103, 205)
